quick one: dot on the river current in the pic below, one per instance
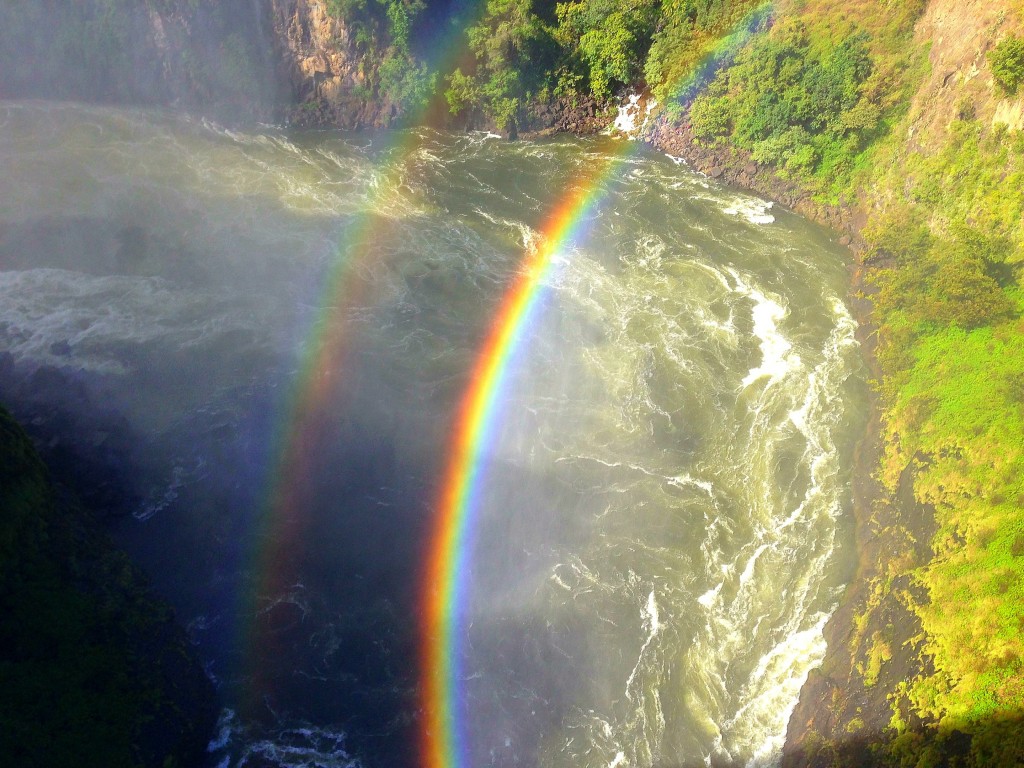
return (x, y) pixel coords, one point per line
(663, 532)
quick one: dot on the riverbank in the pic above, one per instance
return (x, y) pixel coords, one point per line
(843, 708)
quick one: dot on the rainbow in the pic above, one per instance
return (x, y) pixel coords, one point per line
(444, 739)
(283, 522)
(444, 736)
(444, 744)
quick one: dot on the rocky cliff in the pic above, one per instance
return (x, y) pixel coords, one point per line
(218, 58)
(332, 72)
(94, 670)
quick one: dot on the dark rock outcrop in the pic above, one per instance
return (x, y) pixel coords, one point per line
(94, 670)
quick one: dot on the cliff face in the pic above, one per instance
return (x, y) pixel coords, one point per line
(218, 58)
(95, 671)
(236, 60)
(958, 34)
(331, 76)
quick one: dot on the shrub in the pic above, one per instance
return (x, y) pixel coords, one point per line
(512, 53)
(1007, 63)
(609, 39)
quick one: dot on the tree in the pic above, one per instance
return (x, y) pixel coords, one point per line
(609, 39)
(510, 45)
(1007, 63)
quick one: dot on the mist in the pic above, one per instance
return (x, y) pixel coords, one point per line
(247, 348)
(215, 58)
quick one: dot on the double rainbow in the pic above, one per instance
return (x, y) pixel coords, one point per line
(444, 734)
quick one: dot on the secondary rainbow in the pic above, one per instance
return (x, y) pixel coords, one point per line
(279, 540)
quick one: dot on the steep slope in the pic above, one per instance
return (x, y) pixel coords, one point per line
(219, 58)
(94, 671)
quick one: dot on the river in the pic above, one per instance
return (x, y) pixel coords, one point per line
(280, 327)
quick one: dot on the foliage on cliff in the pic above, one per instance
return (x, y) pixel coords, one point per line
(1007, 62)
(382, 32)
(510, 46)
(840, 99)
(529, 50)
(93, 670)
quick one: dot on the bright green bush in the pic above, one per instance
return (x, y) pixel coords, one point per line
(794, 101)
(609, 38)
(1007, 63)
(692, 37)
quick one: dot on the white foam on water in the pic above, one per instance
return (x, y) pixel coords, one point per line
(708, 598)
(681, 481)
(748, 571)
(160, 499)
(629, 112)
(225, 726)
(776, 358)
(750, 208)
(763, 719)
(43, 307)
(300, 746)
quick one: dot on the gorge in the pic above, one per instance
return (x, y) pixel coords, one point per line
(254, 348)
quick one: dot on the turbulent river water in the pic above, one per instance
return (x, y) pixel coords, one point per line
(663, 530)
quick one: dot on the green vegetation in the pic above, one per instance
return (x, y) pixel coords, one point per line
(1007, 62)
(382, 31)
(797, 101)
(606, 40)
(511, 47)
(692, 36)
(529, 50)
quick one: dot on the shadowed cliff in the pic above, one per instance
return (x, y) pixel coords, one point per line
(94, 671)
